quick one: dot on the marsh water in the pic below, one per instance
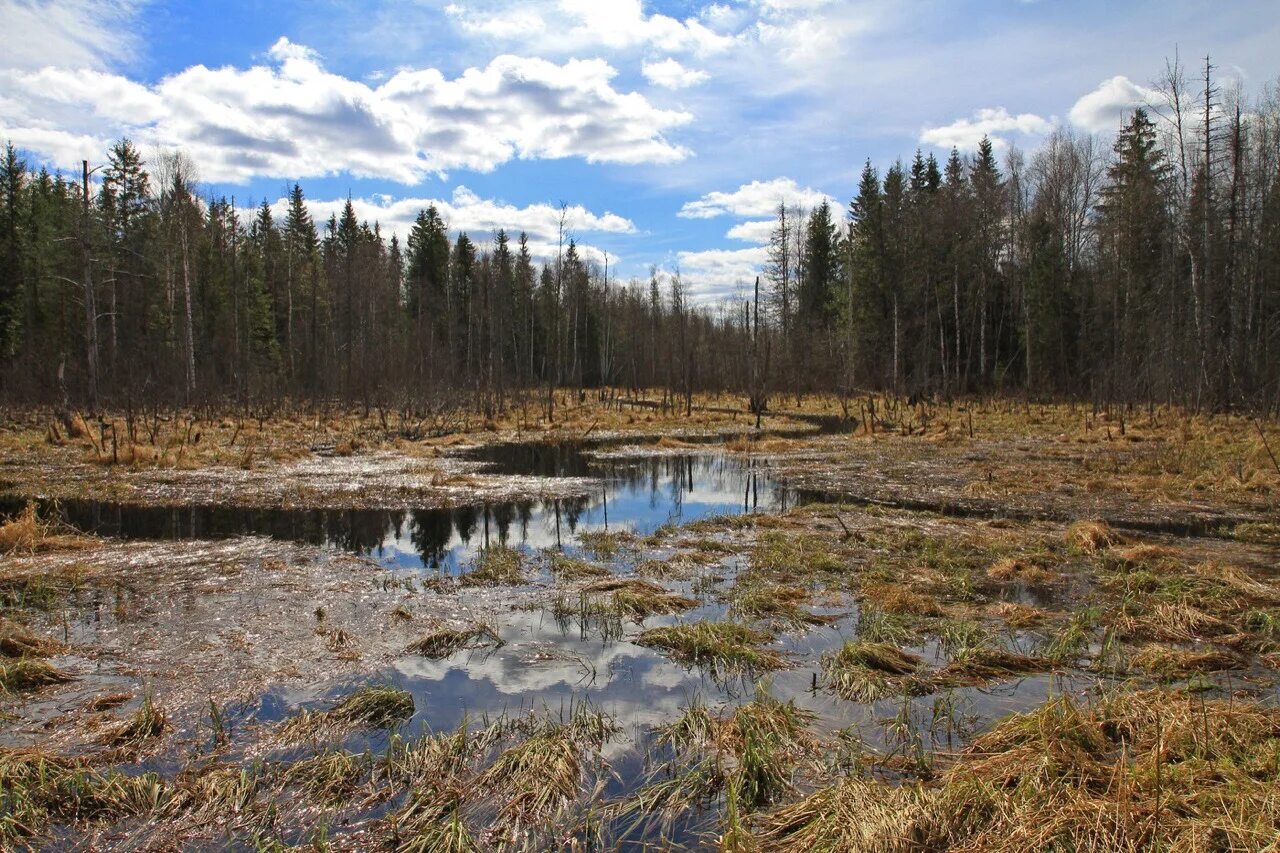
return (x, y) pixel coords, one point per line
(550, 661)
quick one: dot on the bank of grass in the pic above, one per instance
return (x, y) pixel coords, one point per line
(1137, 770)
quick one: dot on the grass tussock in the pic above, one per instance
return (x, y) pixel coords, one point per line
(372, 707)
(495, 566)
(566, 568)
(147, 723)
(30, 674)
(722, 647)
(1017, 569)
(17, 641)
(606, 544)
(777, 603)
(29, 533)
(750, 757)
(1092, 536)
(39, 790)
(901, 601)
(445, 641)
(1152, 770)
(1173, 663)
(862, 671)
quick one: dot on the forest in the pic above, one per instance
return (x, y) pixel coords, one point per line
(1144, 268)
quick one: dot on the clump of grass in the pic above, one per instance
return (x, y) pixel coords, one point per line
(39, 790)
(1092, 536)
(540, 776)
(495, 566)
(330, 777)
(753, 752)
(16, 641)
(722, 647)
(606, 544)
(901, 600)
(147, 723)
(853, 814)
(674, 567)
(27, 533)
(862, 671)
(1172, 663)
(895, 629)
(566, 568)
(444, 641)
(990, 663)
(787, 558)
(1018, 569)
(643, 600)
(213, 792)
(371, 707)
(30, 674)
(377, 706)
(780, 603)
(1258, 532)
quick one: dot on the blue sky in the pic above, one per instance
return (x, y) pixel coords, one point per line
(669, 128)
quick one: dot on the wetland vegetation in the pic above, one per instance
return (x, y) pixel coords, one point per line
(667, 633)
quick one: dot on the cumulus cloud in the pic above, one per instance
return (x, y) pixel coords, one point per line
(295, 119)
(996, 123)
(717, 274)
(1105, 108)
(77, 33)
(758, 198)
(670, 74)
(752, 231)
(585, 24)
(479, 217)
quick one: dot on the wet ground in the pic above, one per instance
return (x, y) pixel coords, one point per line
(236, 618)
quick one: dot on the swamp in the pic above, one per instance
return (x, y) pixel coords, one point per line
(979, 625)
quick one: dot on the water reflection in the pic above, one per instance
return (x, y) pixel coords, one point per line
(638, 494)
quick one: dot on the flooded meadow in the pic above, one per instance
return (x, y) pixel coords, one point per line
(769, 642)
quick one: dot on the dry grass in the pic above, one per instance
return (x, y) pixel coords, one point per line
(1092, 536)
(372, 707)
(147, 723)
(862, 671)
(1152, 770)
(1172, 663)
(495, 567)
(721, 647)
(28, 533)
(29, 674)
(445, 641)
(16, 641)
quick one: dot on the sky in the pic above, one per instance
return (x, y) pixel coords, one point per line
(669, 130)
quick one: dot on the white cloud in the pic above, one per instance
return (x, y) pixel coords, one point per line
(1105, 108)
(758, 198)
(997, 123)
(589, 24)
(479, 217)
(717, 274)
(295, 119)
(76, 33)
(670, 74)
(752, 231)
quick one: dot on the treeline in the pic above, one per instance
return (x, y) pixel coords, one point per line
(137, 291)
(1144, 270)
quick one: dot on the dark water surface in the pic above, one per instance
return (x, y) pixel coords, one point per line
(635, 493)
